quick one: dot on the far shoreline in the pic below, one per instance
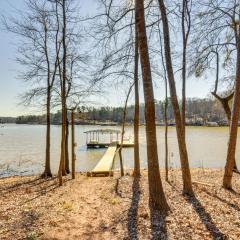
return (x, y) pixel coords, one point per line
(112, 125)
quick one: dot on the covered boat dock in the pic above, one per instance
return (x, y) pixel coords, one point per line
(103, 138)
(106, 138)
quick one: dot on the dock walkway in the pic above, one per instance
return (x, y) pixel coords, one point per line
(105, 165)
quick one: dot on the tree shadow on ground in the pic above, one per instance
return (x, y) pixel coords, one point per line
(133, 210)
(44, 190)
(233, 192)
(33, 189)
(237, 208)
(31, 183)
(24, 226)
(158, 225)
(205, 218)
(21, 183)
(27, 223)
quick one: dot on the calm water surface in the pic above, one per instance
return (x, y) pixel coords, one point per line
(22, 148)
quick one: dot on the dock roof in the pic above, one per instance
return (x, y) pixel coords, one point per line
(103, 131)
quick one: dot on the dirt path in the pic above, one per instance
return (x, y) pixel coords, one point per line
(90, 208)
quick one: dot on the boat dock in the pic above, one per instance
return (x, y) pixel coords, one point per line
(97, 139)
(105, 165)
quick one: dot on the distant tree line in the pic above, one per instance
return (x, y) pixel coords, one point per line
(7, 120)
(39, 119)
(197, 110)
(207, 109)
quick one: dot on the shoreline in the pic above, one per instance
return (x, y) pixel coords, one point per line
(112, 125)
(115, 171)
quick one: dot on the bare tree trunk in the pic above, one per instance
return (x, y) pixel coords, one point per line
(63, 145)
(157, 198)
(121, 161)
(137, 172)
(184, 102)
(64, 75)
(166, 131)
(67, 167)
(183, 68)
(223, 100)
(185, 34)
(225, 104)
(47, 172)
(123, 129)
(227, 179)
(187, 182)
(63, 141)
(165, 115)
(60, 175)
(73, 145)
(63, 96)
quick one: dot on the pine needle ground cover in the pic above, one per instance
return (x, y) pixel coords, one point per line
(117, 208)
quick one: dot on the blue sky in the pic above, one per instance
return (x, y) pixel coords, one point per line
(11, 87)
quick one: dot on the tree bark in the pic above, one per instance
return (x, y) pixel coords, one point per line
(137, 172)
(47, 171)
(157, 200)
(63, 96)
(184, 40)
(165, 107)
(227, 179)
(166, 131)
(73, 145)
(223, 100)
(187, 182)
(121, 161)
(67, 167)
(123, 129)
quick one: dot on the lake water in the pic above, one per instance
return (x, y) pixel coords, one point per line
(22, 148)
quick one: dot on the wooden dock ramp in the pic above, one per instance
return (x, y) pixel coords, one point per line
(105, 165)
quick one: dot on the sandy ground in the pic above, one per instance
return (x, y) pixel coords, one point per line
(107, 208)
